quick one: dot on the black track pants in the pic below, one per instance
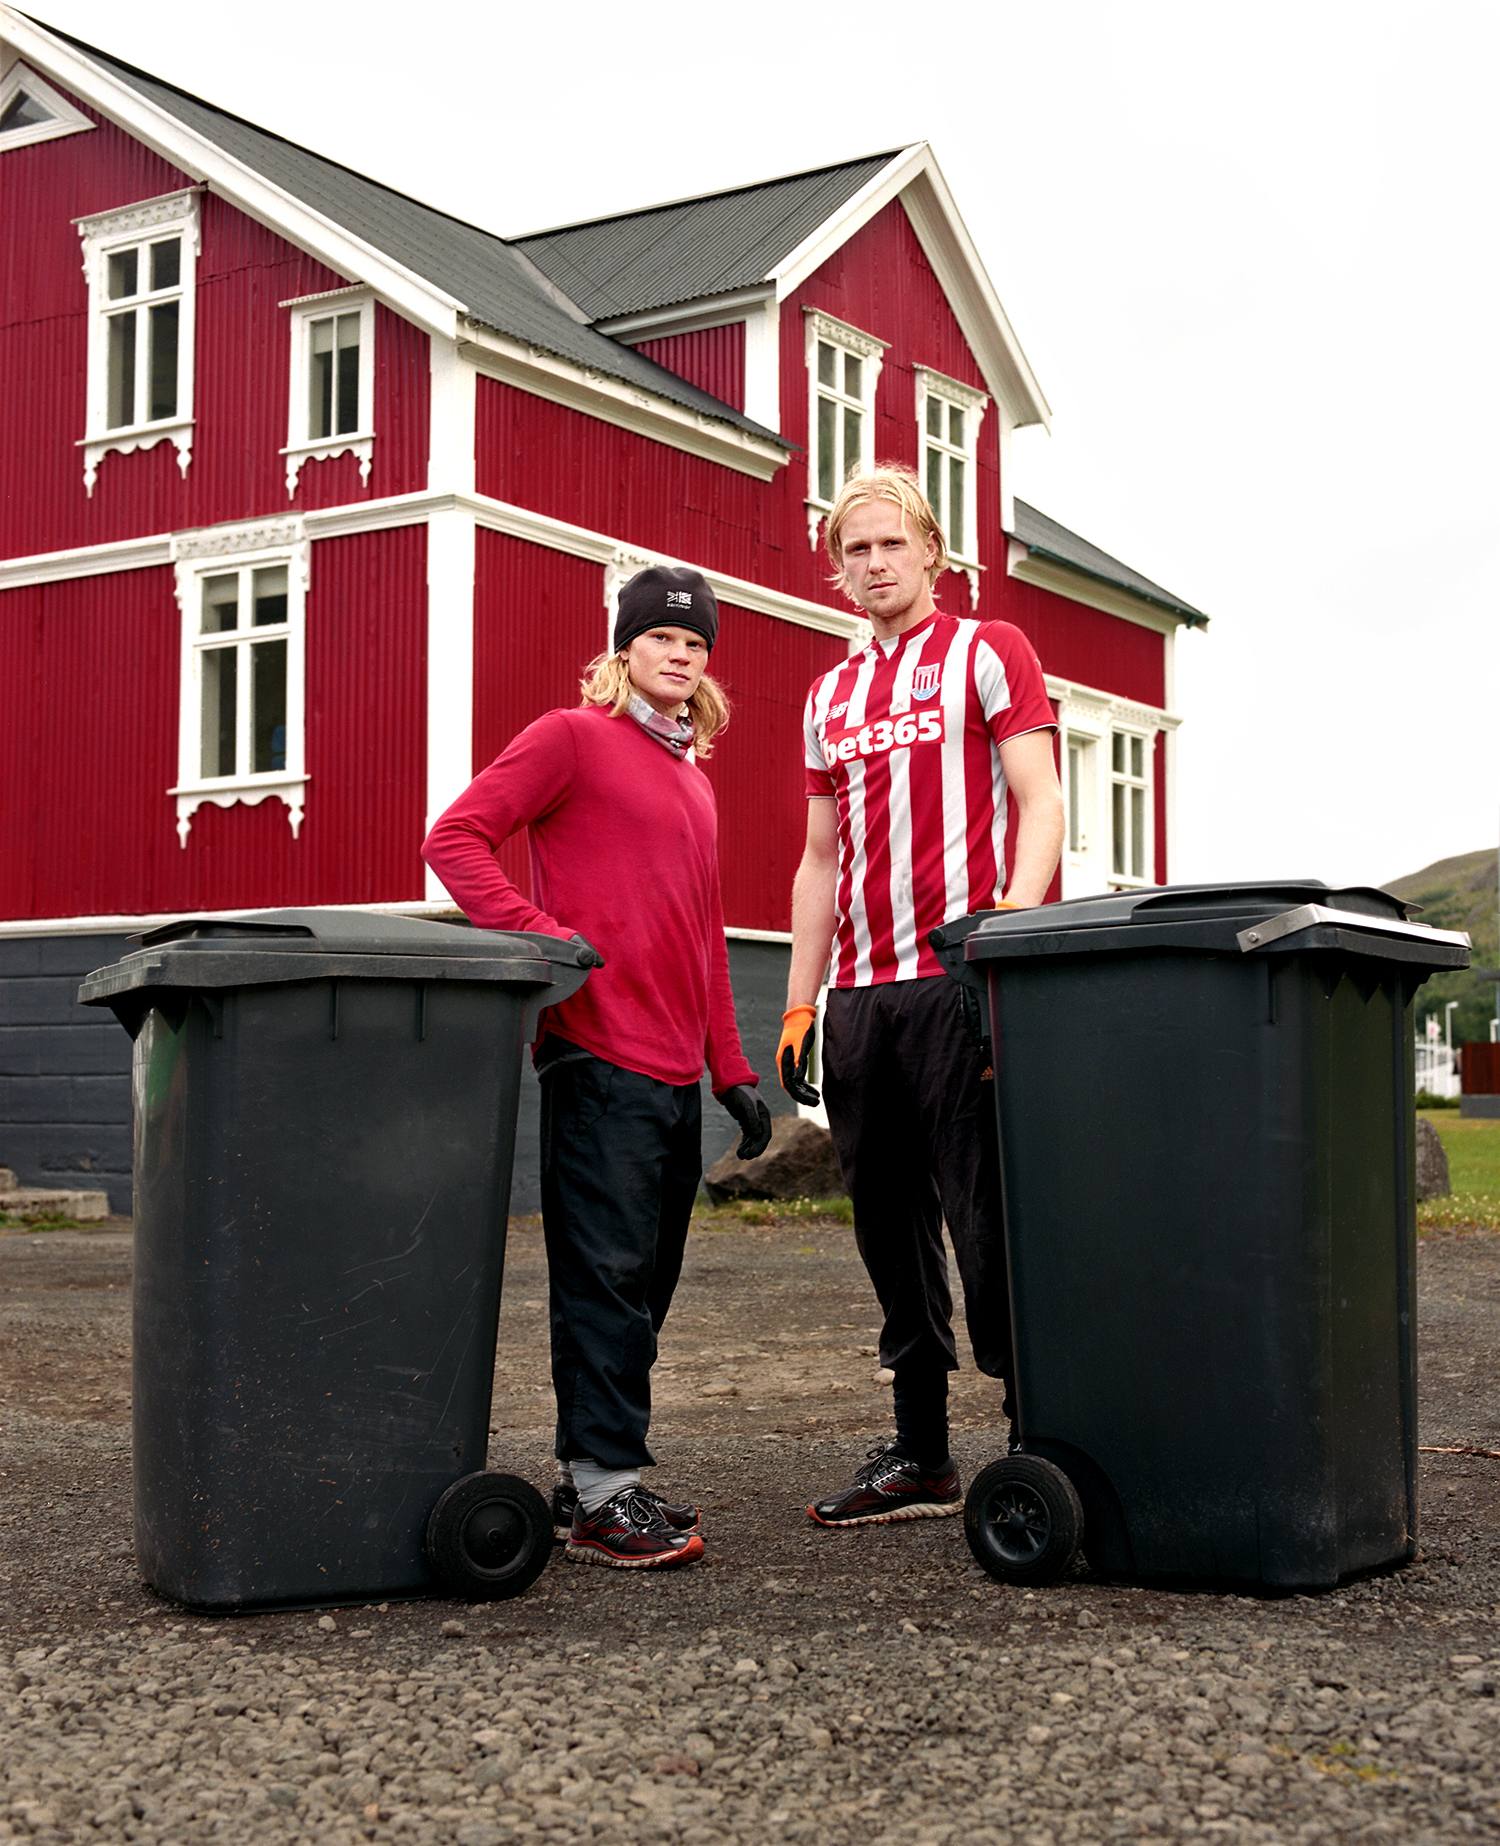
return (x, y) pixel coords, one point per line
(621, 1161)
(914, 1130)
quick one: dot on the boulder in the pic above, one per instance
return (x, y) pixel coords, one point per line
(1432, 1163)
(799, 1164)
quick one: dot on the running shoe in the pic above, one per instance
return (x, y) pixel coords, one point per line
(629, 1533)
(888, 1488)
(681, 1517)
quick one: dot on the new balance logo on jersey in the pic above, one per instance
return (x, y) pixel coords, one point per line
(926, 680)
(883, 735)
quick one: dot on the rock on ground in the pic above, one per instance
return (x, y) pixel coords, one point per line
(799, 1164)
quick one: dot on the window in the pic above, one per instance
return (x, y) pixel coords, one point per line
(241, 723)
(140, 264)
(1129, 807)
(31, 110)
(843, 365)
(948, 419)
(333, 380)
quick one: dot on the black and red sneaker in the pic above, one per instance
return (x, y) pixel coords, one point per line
(630, 1533)
(677, 1514)
(888, 1488)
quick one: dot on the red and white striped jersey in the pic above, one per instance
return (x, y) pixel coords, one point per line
(905, 737)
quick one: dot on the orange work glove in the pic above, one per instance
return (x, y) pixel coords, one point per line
(799, 1029)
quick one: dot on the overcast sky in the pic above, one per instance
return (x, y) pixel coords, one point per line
(1249, 251)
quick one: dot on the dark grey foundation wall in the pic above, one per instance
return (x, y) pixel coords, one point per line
(65, 1068)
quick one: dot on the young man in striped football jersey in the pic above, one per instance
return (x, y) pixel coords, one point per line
(916, 748)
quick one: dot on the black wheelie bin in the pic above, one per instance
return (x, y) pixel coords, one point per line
(325, 1116)
(1205, 1111)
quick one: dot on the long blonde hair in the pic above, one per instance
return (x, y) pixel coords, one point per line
(607, 681)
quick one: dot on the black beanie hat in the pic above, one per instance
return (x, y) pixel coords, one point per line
(666, 596)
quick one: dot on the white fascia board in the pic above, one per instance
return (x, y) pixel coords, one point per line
(816, 248)
(1046, 574)
(685, 316)
(914, 177)
(612, 400)
(84, 561)
(416, 508)
(410, 295)
(133, 923)
(945, 239)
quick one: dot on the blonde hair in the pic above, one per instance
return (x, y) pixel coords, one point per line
(894, 482)
(607, 681)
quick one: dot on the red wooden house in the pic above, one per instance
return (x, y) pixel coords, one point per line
(311, 496)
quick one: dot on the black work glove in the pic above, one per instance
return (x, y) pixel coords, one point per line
(799, 1029)
(590, 958)
(753, 1117)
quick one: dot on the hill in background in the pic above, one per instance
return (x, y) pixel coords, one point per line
(1458, 894)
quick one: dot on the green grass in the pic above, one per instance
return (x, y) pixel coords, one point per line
(1472, 1145)
(781, 1213)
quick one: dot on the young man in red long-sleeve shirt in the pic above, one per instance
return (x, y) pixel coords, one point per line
(623, 834)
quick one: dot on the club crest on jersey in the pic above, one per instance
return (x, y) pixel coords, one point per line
(926, 680)
(883, 736)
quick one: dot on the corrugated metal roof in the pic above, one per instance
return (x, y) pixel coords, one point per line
(1048, 539)
(494, 281)
(694, 247)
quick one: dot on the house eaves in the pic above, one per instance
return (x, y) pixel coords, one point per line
(1049, 555)
(435, 270)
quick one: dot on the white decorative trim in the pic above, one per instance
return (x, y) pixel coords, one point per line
(627, 406)
(1062, 580)
(136, 923)
(1107, 709)
(414, 509)
(840, 335)
(203, 553)
(763, 364)
(102, 234)
(360, 441)
(66, 120)
(930, 383)
(247, 794)
(783, 936)
(231, 541)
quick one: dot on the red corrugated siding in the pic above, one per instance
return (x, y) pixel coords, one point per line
(242, 351)
(1479, 1068)
(539, 618)
(713, 359)
(766, 667)
(91, 747)
(1088, 646)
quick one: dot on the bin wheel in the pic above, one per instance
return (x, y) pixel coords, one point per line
(489, 1537)
(1023, 1520)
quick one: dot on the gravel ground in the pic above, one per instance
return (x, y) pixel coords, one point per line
(798, 1685)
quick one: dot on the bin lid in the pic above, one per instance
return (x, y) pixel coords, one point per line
(1282, 916)
(205, 954)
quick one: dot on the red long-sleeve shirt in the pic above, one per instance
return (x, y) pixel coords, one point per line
(623, 838)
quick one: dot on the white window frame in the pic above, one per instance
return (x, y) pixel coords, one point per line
(65, 119)
(106, 234)
(951, 394)
(214, 553)
(864, 346)
(1127, 880)
(1090, 720)
(360, 441)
